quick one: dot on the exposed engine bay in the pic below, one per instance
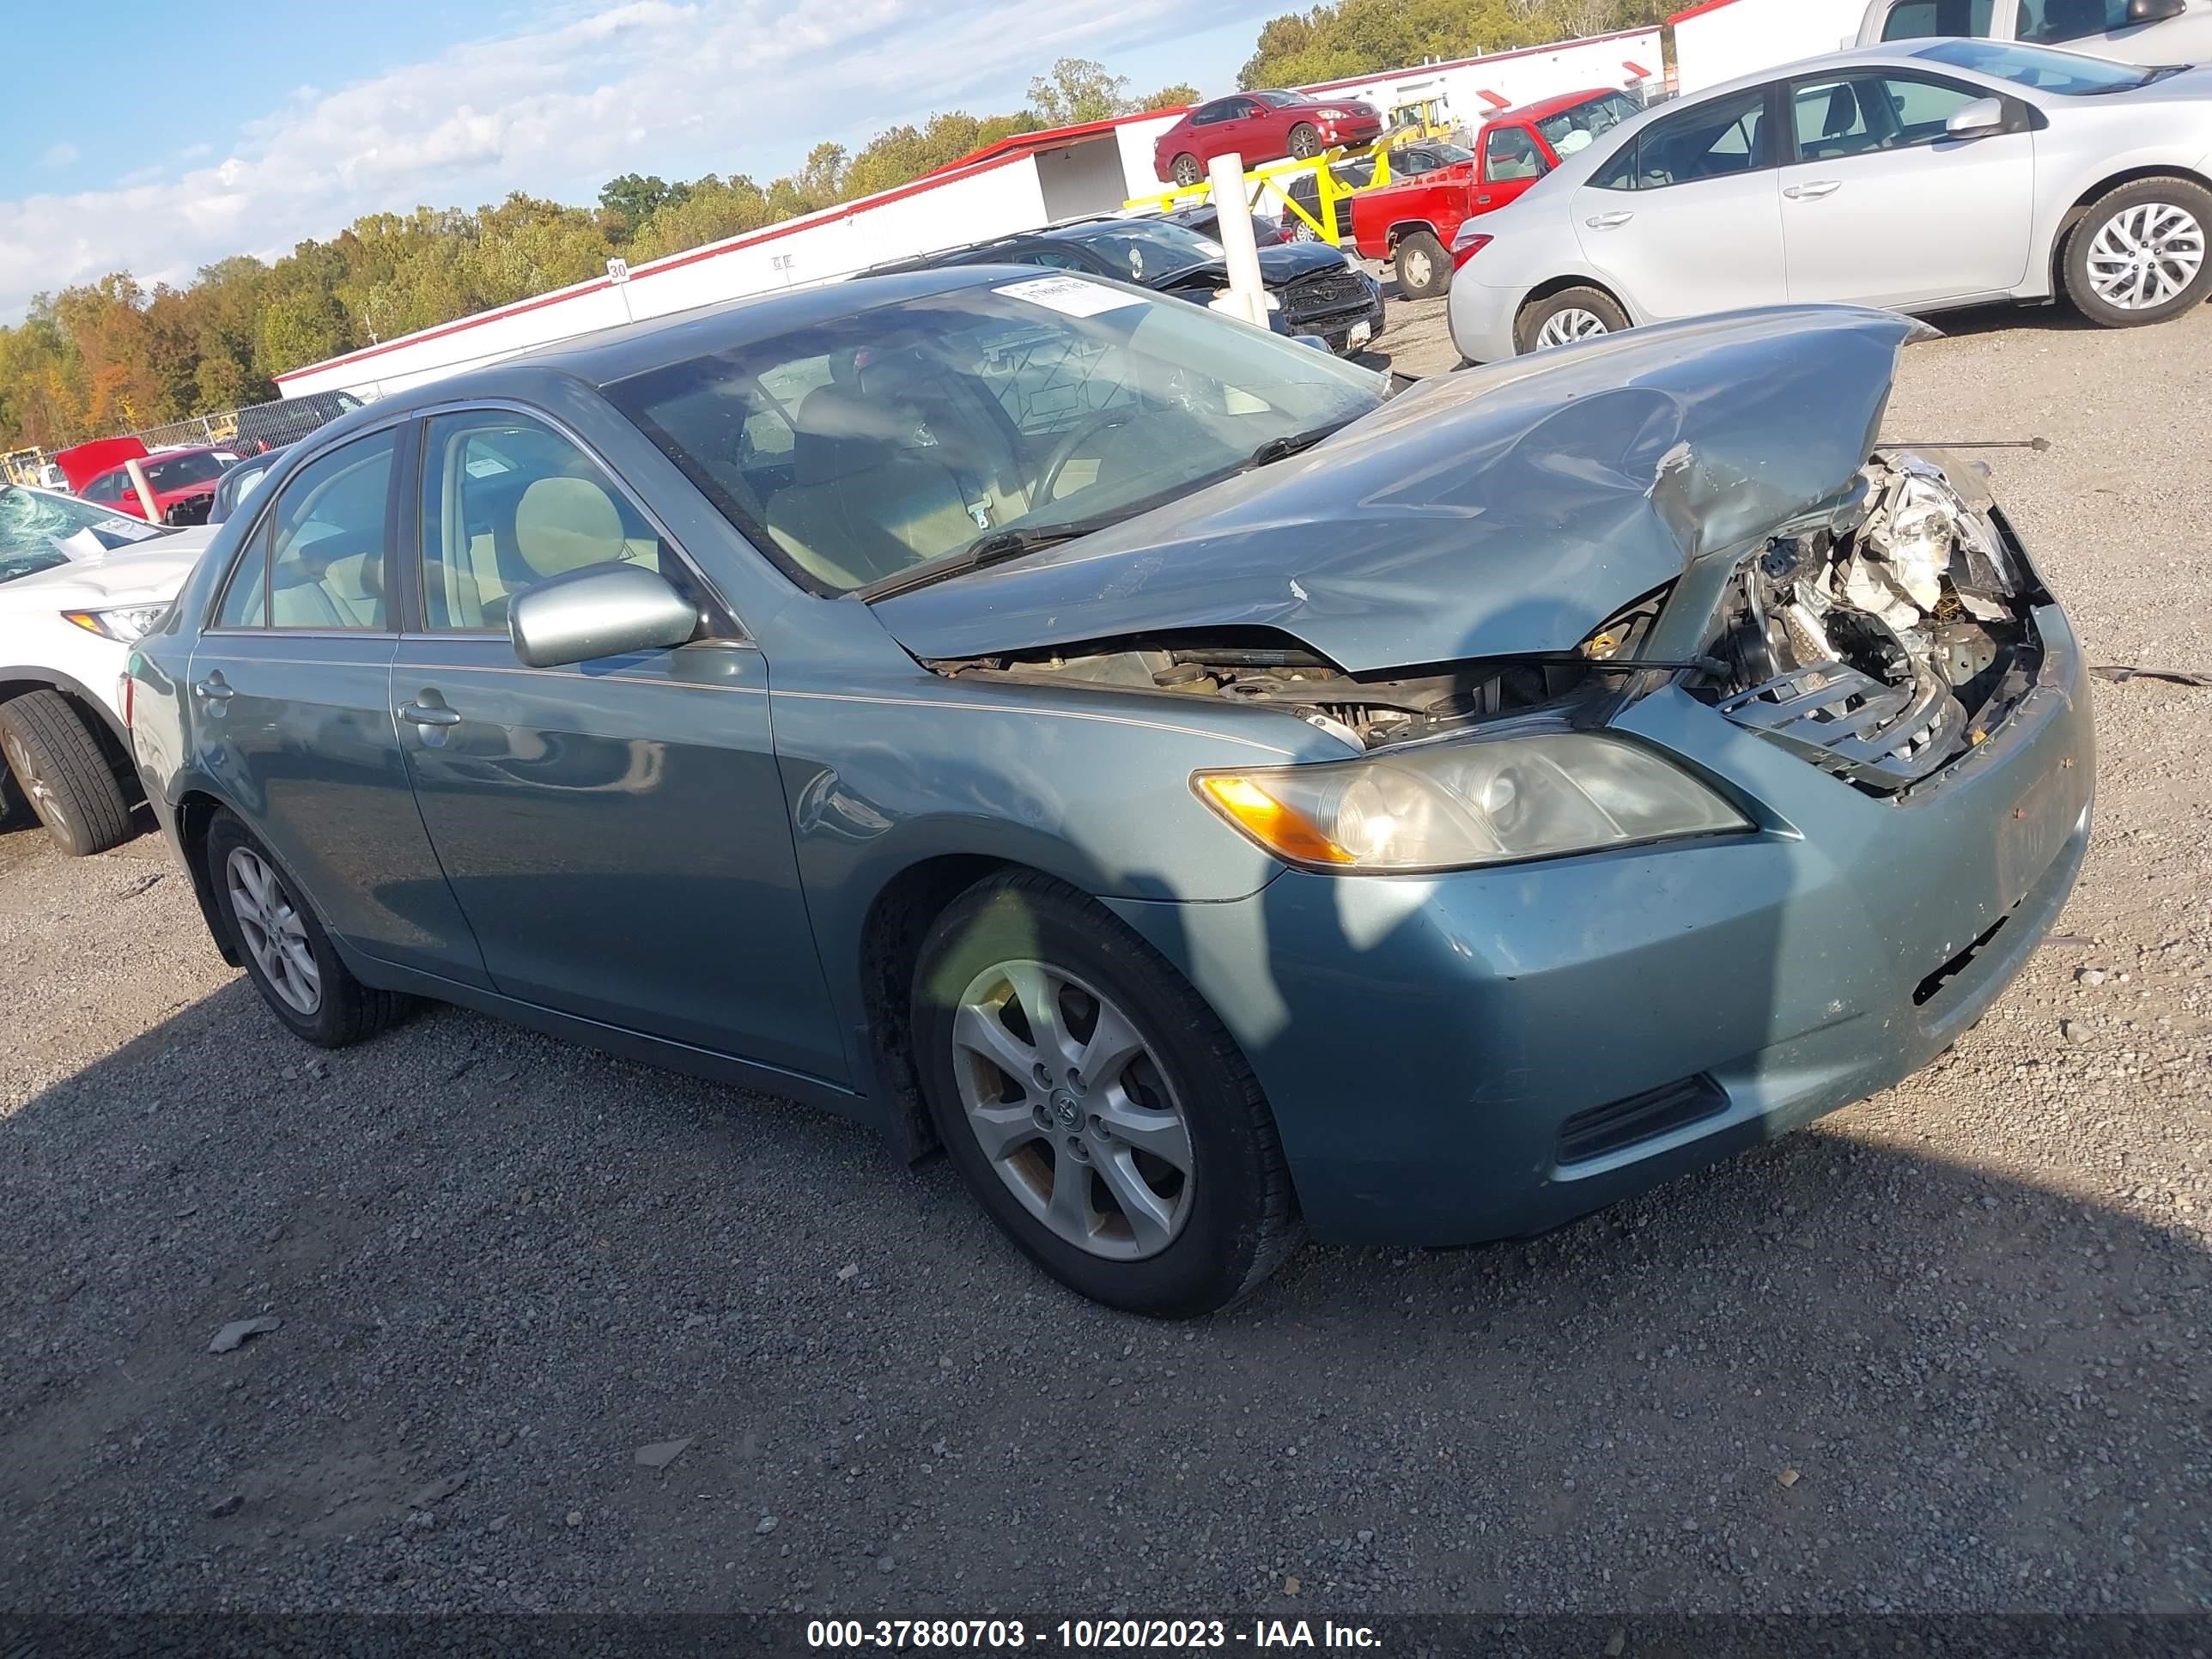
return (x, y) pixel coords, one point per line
(1364, 711)
(1881, 637)
(1887, 640)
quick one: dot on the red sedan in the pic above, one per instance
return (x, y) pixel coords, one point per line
(1260, 126)
(182, 480)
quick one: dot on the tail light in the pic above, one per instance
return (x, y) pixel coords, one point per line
(1465, 248)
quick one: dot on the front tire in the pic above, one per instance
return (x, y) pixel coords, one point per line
(288, 955)
(59, 767)
(2138, 256)
(1096, 1109)
(1305, 141)
(1424, 267)
(1185, 170)
(1572, 314)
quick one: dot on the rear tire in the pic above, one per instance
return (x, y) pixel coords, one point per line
(1572, 314)
(2139, 254)
(1305, 141)
(62, 768)
(1172, 1104)
(1425, 269)
(1185, 170)
(287, 954)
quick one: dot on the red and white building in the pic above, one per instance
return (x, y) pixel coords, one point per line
(1018, 184)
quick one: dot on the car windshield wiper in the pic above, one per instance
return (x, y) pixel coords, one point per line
(1295, 443)
(996, 548)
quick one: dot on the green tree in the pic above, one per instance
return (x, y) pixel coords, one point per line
(1077, 90)
(634, 199)
(1175, 97)
(1356, 37)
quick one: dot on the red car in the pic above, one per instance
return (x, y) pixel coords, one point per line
(1413, 224)
(182, 480)
(1260, 126)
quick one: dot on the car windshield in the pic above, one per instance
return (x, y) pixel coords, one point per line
(1145, 250)
(1571, 129)
(855, 450)
(183, 471)
(1280, 100)
(2066, 73)
(34, 526)
(1448, 156)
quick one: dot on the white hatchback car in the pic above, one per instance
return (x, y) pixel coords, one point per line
(1920, 176)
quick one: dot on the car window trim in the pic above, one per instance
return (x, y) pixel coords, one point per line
(258, 518)
(723, 614)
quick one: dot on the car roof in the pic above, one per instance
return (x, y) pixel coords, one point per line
(616, 354)
(1897, 54)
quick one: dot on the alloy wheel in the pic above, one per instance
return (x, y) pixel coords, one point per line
(269, 923)
(1565, 327)
(2146, 255)
(1068, 1104)
(45, 801)
(1418, 268)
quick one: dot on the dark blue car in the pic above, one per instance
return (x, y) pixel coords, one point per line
(1210, 797)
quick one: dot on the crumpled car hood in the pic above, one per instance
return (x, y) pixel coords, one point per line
(149, 574)
(1497, 512)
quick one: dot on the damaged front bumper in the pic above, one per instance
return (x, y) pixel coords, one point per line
(1555, 1036)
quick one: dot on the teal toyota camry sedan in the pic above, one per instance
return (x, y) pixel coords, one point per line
(1210, 797)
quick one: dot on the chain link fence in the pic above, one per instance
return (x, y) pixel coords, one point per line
(250, 430)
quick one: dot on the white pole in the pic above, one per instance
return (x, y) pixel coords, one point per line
(1245, 295)
(145, 490)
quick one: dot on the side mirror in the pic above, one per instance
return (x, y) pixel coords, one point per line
(1313, 340)
(600, 611)
(1984, 115)
(2153, 11)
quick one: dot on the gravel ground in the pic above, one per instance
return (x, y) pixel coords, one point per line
(1946, 1350)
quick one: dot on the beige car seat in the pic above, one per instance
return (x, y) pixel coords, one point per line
(861, 507)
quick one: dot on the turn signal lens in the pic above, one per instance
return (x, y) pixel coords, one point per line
(1278, 828)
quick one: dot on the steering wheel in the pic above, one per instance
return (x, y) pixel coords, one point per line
(1065, 450)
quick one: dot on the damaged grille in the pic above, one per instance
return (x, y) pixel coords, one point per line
(1886, 642)
(1329, 290)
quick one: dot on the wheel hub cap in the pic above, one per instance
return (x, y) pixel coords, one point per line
(2146, 256)
(269, 925)
(1568, 327)
(41, 794)
(1066, 1100)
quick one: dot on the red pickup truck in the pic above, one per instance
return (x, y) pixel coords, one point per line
(1412, 224)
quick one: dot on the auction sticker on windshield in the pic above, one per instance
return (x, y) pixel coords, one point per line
(1071, 295)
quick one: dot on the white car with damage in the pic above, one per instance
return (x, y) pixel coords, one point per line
(1920, 176)
(85, 585)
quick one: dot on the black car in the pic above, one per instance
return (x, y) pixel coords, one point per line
(1205, 218)
(238, 479)
(1312, 288)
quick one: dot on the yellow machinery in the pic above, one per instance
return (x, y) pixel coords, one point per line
(1421, 121)
(1275, 178)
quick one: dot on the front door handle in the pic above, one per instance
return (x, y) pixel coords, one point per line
(1813, 191)
(429, 713)
(1610, 220)
(215, 690)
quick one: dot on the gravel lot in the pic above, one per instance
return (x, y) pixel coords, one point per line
(1947, 1350)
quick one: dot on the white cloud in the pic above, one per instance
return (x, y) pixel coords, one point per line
(57, 156)
(651, 86)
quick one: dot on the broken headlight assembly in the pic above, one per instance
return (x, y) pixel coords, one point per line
(1461, 805)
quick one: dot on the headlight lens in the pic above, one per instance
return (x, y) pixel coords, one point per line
(125, 622)
(1456, 806)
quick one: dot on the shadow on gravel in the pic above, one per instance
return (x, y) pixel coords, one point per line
(1829, 1374)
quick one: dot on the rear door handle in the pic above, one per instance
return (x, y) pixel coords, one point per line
(429, 713)
(1610, 220)
(1813, 191)
(215, 690)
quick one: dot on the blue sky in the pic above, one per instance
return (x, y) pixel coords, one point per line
(247, 137)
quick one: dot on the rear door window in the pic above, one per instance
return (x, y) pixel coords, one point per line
(1912, 19)
(1714, 140)
(2053, 22)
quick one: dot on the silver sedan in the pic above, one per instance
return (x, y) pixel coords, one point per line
(1922, 176)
